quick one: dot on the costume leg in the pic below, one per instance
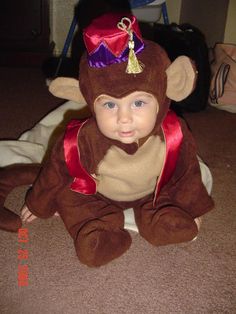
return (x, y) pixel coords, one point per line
(98, 231)
(165, 224)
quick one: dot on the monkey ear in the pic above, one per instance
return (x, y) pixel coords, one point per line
(66, 88)
(181, 77)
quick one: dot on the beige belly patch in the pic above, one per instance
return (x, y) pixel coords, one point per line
(124, 177)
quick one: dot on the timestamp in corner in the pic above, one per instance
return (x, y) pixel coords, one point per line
(23, 257)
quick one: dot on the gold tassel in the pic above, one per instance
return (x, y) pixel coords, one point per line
(134, 66)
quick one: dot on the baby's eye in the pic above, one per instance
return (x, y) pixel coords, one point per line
(110, 105)
(138, 103)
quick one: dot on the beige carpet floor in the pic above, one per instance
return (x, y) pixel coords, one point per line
(198, 277)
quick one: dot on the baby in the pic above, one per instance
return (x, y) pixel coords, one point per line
(132, 153)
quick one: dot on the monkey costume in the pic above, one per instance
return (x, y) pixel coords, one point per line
(90, 179)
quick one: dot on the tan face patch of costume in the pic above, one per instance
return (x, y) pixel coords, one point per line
(123, 177)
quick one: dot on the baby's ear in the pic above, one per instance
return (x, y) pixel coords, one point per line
(181, 77)
(66, 88)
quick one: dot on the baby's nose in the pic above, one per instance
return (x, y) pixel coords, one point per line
(124, 115)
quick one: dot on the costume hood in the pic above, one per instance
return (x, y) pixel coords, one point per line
(103, 67)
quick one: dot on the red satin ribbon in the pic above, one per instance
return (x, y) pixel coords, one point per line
(173, 138)
(84, 183)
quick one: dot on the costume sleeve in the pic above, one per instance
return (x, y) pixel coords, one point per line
(186, 189)
(41, 198)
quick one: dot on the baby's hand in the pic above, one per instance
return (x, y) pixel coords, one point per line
(26, 215)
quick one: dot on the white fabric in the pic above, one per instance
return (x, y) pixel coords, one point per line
(229, 108)
(32, 145)
(206, 176)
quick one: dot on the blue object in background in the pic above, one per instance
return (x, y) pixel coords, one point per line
(67, 43)
(139, 3)
(165, 13)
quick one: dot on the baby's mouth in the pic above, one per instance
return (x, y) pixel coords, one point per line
(126, 133)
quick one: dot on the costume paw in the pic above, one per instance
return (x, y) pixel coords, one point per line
(170, 225)
(99, 247)
(9, 221)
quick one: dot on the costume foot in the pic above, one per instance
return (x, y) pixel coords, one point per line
(170, 225)
(99, 247)
(9, 221)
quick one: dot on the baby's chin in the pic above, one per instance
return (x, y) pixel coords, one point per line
(128, 140)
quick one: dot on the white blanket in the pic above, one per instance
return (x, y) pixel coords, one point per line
(32, 145)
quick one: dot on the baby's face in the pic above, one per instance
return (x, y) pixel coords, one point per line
(126, 119)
